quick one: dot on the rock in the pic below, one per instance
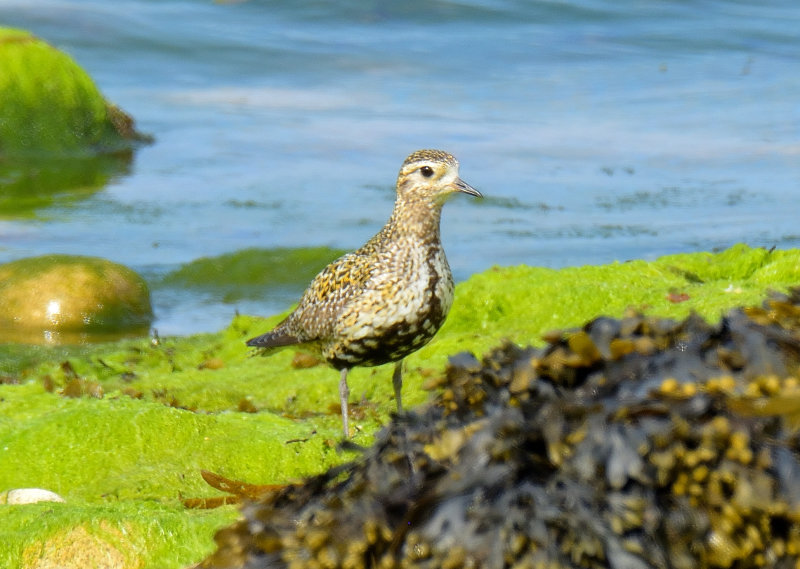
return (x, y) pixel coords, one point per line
(634, 443)
(71, 299)
(29, 496)
(51, 106)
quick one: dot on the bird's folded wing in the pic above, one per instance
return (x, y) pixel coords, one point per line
(328, 295)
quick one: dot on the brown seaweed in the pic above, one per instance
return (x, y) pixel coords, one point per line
(630, 443)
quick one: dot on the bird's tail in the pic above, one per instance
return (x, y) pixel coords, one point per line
(273, 339)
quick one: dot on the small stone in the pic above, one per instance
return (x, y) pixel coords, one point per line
(29, 496)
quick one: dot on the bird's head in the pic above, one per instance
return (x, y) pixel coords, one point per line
(431, 175)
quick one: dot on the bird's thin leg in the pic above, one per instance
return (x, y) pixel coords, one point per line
(397, 382)
(344, 393)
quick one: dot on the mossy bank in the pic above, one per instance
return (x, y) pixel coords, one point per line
(121, 431)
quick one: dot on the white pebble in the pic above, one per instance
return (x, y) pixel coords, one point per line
(29, 496)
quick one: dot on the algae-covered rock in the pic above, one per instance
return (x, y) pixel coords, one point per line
(57, 132)
(69, 299)
(51, 106)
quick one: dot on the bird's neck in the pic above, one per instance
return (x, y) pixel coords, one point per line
(416, 219)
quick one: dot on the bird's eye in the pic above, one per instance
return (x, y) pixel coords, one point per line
(426, 171)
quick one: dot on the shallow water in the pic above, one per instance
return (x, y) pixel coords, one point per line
(597, 131)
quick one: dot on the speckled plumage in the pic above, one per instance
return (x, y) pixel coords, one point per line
(387, 299)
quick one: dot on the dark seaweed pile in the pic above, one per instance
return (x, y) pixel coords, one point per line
(629, 444)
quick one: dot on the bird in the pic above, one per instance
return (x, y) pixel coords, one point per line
(386, 300)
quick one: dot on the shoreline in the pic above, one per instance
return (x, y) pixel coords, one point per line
(121, 431)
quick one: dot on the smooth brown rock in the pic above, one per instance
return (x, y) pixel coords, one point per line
(71, 299)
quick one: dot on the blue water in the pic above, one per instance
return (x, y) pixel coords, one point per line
(598, 131)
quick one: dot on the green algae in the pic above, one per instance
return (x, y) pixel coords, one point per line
(173, 406)
(252, 273)
(128, 462)
(147, 534)
(115, 448)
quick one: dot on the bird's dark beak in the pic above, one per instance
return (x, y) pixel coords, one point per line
(461, 186)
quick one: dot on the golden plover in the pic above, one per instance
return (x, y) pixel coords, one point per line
(387, 299)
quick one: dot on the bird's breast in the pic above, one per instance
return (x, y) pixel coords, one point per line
(400, 311)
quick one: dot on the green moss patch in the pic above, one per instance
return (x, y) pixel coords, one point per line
(117, 535)
(122, 448)
(125, 428)
(252, 273)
